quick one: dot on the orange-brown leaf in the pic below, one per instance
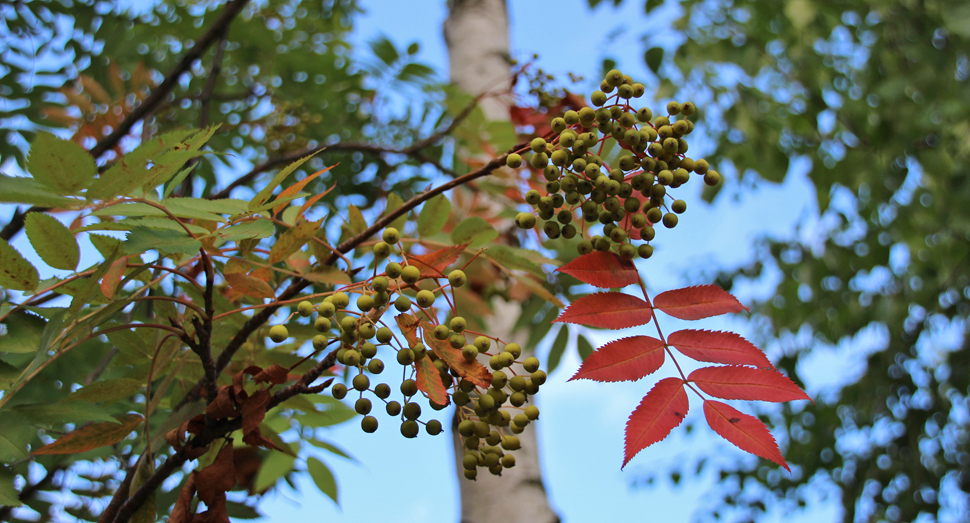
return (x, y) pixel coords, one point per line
(718, 347)
(182, 511)
(472, 371)
(602, 269)
(609, 310)
(433, 264)
(217, 478)
(112, 278)
(429, 381)
(298, 186)
(254, 410)
(625, 359)
(224, 406)
(700, 301)
(732, 382)
(273, 374)
(662, 409)
(246, 284)
(744, 431)
(93, 436)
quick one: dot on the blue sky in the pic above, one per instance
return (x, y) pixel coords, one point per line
(581, 429)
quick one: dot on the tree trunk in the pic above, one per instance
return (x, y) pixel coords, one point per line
(477, 36)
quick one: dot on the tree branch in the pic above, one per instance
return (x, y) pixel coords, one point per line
(215, 33)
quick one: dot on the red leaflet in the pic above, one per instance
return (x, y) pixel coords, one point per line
(610, 310)
(744, 383)
(694, 303)
(433, 263)
(602, 269)
(662, 409)
(718, 347)
(429, 381)
(113, 277)
(626, 359)
(746, 432)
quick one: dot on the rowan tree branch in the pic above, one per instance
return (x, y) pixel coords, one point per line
(214, 34)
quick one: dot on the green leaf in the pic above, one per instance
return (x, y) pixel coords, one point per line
(23, 333)
(385, 50)
(650, 5)
(60, 413)
(293, 240)
(242, 511)
(654, 57)
(9, 497)
(474, 231)
(15, 435)
(256, 229)
(395, 202)
(54, 243)
(275, 466)
(557, 349)
(14, 189)
(106, 245)
(263, 195)
(8, 375)
(167, 154)
(106, 390)
(152, 222)
(142, 209)
(584, 347)
(356, 220)
(16, 272)
(323, 478)
(512, 258)
(200, 207)
(62, 165)
(141, 239)
(433, 216)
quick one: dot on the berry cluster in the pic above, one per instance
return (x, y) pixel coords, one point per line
(491, 405)
(629, 194)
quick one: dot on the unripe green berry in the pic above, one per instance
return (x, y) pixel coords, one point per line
(514, 349)
(340, 300)
(405, 357)
(278, 333)
(712, 178)
(538, 145)
(391, 235)
(361, 382)
(679, 206)
(486, 402)
(393, 408)
(499, 379)
(375, 366)
(466, 428)
(322, 324)
(409, 388)
(441, 332)
(393, 270)
(382, 390)
(670, 220)
(410, 274)
(517, 399)
(339, 391)
(409, 429)
(645, 251)
(320, 341)
(688, 108)
(382, 250)
(425, 299)
(513, 160)
(673, 108)
(369, 424)
(365, 303)
(457, 324)
(384, 335)
(571, 117)
(531, 364)
(305, 309)
(412, 411)
(402, 303)
(457, 278)
(525, 220)
(362, 406)
(598, 98)
(470, 352)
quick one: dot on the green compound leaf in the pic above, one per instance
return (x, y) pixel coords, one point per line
(54, 242)
(394, 202)
(15, 434)
(23, 333)
(256, 229)
(323, 478)
(141, 239)
(474, 231)
(107, 390)
(263, 195)
(9, 497)
(15, 189)
(63, 166)
(16, 272)
(558, 348)
(433, 216)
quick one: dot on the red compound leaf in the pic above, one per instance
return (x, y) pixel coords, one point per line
(662, 409)
(718, 347)
(694, 303)
(744, 431)
(744, 383)
(626, 359)
(602, 269)
(609, 310)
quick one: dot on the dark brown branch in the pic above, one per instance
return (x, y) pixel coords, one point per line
(412, 150)
(215, 33)
(119, 497)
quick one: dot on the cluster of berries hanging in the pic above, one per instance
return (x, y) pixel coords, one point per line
(438, 358)
(627, 196)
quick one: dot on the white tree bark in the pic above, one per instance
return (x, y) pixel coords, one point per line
(477, 36)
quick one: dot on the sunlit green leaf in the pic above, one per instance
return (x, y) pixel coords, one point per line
(15, 271)
(433, 215)
(323, 478)
(53, 242)
(61, 165)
